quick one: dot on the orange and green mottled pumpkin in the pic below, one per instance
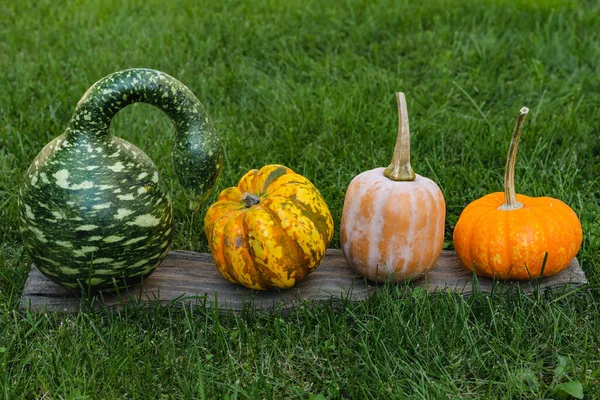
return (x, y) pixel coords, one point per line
(271, 230)
(509, 236)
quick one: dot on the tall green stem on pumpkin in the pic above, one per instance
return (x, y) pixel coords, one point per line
(510, 197)
(400, 169)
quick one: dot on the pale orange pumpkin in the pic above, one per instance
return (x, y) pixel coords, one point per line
(392, 225)
(508, 235)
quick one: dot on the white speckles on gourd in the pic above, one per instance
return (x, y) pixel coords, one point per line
(117, 167)
(126, 196)
(59, 215)
(155, 177)
(69, 271)
(62, 178)
(103, 272)
(142, 175)
(63, 244)
(48, 261)
(38, 234)
(145, 220)
(113, 239)
(86, 227)
(29, 213)
(103, 260)
(122, 213)
(84, 250)
(138, 264)
(101, 206)
(46, 271)
(94, 281)
(82, 185)
(94, 238)
(135, 240)
(44, 177)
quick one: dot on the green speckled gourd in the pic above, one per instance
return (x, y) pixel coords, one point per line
(92, 211)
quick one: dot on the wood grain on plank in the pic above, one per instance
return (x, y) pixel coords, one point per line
(450, 274)
(192, 277)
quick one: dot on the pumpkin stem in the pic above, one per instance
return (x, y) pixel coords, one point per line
(400, 169)
(250, 199)
(510, 197)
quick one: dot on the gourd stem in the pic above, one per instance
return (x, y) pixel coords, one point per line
(197, 154)
(250, 199)
(510, 197)
(400, 169)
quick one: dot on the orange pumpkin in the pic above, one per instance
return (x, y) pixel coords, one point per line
(271, 230)
(392, 224)
(508, 235)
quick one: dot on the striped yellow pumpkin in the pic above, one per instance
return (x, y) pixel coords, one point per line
(270, 230)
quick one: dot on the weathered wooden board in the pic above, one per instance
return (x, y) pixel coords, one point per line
(450, 274)
(192, 277)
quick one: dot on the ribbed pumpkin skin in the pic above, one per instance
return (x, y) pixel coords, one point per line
(392, 230)
(275, 242)
(512, 244)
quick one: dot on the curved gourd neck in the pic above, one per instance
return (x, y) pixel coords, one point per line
(196, 150)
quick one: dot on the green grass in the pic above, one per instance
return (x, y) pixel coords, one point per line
(311, 85)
